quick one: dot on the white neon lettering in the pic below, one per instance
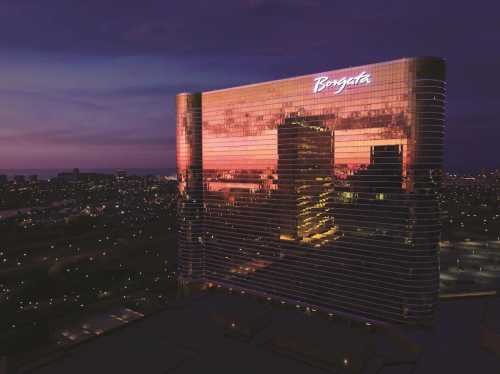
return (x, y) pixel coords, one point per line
(321, 83)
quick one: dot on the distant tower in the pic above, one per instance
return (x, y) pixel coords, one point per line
(304, 179)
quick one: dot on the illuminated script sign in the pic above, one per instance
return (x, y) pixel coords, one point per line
(322, 83)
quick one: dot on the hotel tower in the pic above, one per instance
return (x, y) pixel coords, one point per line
(319, 190)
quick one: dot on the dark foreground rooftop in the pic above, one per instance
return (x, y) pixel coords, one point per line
(228, 333)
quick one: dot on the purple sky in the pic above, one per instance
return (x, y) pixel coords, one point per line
(91, 83)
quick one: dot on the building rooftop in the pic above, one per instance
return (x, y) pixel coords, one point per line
(232, 333)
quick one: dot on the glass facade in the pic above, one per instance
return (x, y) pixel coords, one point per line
(319, 190)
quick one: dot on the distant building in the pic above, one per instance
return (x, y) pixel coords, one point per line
(3, 179)
(33, 178)
(95, 177)
(19, 179)
(319, 190)
(66, 177)
(72, 176)
(121, 174)
(165, 178)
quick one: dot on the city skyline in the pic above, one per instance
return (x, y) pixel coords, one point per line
(92, 85)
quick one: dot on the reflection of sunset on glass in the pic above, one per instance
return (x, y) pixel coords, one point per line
(234, 152)
(308, 180)
(241, 134)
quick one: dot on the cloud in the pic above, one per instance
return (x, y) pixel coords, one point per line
(149, 91)
(72, 137)
(52, 99)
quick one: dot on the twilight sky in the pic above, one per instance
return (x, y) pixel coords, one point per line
(91, 83)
